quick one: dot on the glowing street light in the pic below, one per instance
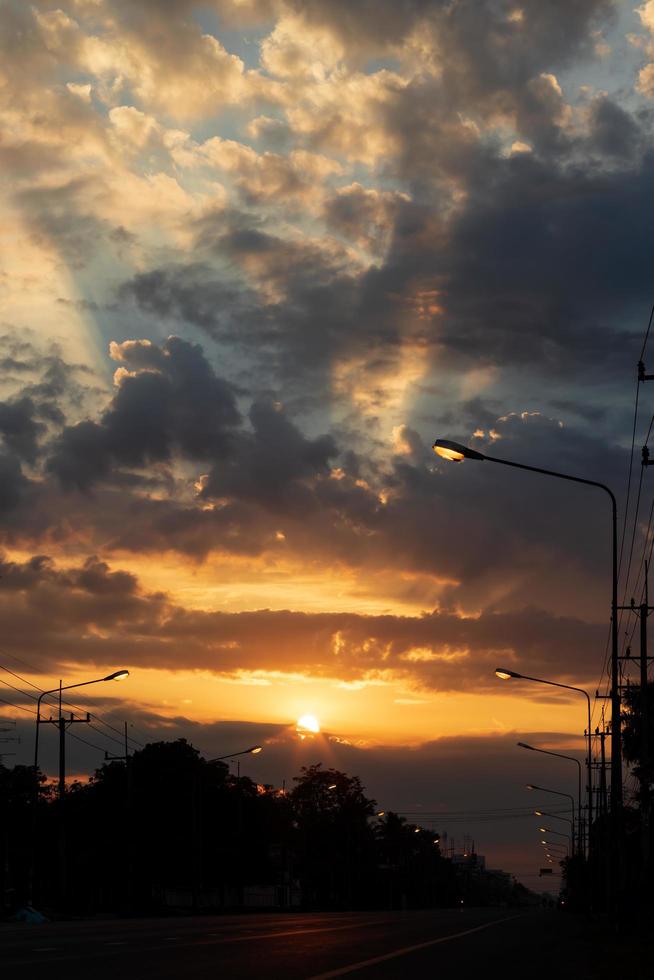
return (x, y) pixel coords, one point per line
(570, 758)
(457, 452)
(552, 816)
(557, 792)
(557, 833)
(118, 675)
(505, 674)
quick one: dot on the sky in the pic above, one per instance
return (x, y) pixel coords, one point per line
(255, 256)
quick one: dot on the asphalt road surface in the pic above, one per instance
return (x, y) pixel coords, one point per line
(442, 943)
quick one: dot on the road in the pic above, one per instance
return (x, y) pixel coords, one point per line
(444, 943)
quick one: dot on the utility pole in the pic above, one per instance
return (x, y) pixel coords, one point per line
(644, 732)
(642, 610)
(603, 796)
(62, 724)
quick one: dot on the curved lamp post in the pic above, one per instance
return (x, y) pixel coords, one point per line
(253, 750)
(552, 816)
(556, 792)
(557, 833)
(505, 674)
(118, 675)
(570, 758)
(455, 451)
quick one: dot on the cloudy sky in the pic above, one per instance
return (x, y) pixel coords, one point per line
(256, 256)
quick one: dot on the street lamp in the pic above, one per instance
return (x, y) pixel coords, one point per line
(253, 750)
(557, 833)
(552, 816)
(556, 792)
(570, 758)
(505, 674)
(118, 675)
(455, 451)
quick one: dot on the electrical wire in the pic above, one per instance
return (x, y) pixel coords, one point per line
(19, 706)
(70, 704)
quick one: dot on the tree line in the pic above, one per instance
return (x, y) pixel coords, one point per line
(169, 829)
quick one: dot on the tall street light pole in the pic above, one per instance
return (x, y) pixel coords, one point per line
(454, 451)
(570, 758)
(557, 792)
(553, 816)
(253, 750)
(505, 674)
(547, 830)
(118, 675)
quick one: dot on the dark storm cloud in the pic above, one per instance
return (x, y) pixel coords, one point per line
(172, 400)
(194, 294)
(294, 307)
(14, 485)
(92, 614)
(19, 428)
(271, 465)
(476, 527)
(556, 251)
(490, 45)
(558, 262)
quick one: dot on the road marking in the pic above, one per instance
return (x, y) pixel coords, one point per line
(44, 949)
(406, 949)
(295, 932)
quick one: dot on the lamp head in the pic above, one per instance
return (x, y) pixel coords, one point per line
(381, 813)
(255, 750)
(538, 813)
(332, 786)
(523, 745)
(118, 675)
(505, 674)
(454, 451)
(531, 786)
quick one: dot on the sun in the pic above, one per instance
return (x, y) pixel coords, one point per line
(308, 723)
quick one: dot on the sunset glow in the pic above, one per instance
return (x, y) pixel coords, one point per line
(270, 269)
(307, 723)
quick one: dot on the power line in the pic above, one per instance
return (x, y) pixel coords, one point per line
(19, 706)
(53, 695)
(80, 739)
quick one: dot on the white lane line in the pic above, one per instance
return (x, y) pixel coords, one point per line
(407, 949)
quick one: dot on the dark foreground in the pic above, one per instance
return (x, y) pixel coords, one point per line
(439, 943)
